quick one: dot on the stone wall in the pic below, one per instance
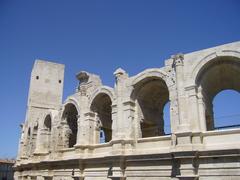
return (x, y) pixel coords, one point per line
(101, 132)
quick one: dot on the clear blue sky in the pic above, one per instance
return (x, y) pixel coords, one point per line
(100, 36)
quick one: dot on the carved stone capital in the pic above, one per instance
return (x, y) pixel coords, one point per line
(178, 59)
(120, 74)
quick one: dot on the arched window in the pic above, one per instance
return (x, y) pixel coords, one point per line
(70, 116)
(47, 133)
(226, 109)
(221, 73)
(48, 123)
(101, 105)
(151, 95)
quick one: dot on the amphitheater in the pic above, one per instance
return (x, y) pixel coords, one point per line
(118, 133)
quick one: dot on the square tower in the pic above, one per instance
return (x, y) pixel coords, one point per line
(46, 85)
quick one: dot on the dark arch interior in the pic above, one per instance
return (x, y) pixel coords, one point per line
(151, 96)
(70, 114)
(29, 132)
(222, 73)
(48, 123)
(102, 106)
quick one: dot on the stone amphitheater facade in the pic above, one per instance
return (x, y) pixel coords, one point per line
(117, 133)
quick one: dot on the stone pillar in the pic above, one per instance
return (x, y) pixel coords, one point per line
(118, 108)
(90, 128)
(43, 141)
(178, 66)
(174, 119)
(129, 121)
(79, 131)
(194, 104)
(201, 110)
(65, 135)
(115, 122)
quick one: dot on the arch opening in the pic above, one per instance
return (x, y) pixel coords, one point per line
(226, 109)
(48, 123)
(70, 116)
(220, 74)
(151, 96)
(102, 106)
(47, 133)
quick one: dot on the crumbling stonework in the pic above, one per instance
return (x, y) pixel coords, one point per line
(102, 133)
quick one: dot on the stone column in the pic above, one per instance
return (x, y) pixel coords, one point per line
(129, 121)
(115, 122)
(42, 141)
(118, 108)
(193, 108)
(89, 128)
(65, 135)
(79, 131)
(201, 110)
(178, 66)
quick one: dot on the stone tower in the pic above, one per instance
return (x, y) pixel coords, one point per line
(46, 86)
(45, 94)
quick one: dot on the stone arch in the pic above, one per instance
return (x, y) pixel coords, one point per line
(70, 124)
(148, 73)
(216, 72)
(151, 94)
(210, 57)
(71, 100)
(101, 105)
(46, 133)
(104, 90)
(47, 124)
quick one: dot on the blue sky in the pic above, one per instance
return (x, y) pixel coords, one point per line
(100, 36)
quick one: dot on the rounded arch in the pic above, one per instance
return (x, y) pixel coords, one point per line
(211, 57)
(101, 105)
(48, 122)
(53, 114)
(212, 75)
(70, 128)
(71, 100)
(29, 132)
(47, 132)
(102, 90)
(151, 73)
(151, 94)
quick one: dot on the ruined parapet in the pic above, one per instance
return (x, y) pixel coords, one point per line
(87, 81)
